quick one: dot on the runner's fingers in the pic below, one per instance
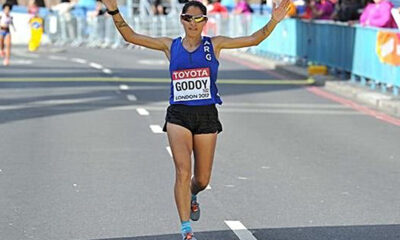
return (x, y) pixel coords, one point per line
(285, 3)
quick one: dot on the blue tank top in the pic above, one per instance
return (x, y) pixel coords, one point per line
(193, 74)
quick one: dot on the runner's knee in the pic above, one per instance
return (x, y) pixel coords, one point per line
(201, 182)
(183, 175)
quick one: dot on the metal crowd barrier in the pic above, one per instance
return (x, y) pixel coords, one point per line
(347, 50)
(101, 32)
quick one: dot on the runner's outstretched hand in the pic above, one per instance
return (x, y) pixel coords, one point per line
(279, 13)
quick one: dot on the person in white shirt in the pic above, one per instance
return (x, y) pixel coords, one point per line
(5, 37)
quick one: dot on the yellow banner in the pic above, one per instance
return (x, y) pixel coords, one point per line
(388, 48)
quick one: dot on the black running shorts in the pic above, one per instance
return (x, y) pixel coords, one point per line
(197, 119)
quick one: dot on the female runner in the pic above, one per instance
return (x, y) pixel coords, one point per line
(192, 122)
(5, 36)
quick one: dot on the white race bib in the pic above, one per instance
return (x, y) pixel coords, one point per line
(191, 84)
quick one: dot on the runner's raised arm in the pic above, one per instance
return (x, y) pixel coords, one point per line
(129, 35)
(278, 13)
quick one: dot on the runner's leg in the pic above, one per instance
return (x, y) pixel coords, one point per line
(181, 143)
(2, 46)
(204, 149)
(8, 49)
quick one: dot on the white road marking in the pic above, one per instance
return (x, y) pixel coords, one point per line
(107, 71)
(95, 65)
(142, 111)
(21, 62)
(123, 87)
(131, 97)
(92, 64)
(240, 230)
(152, 62)
(265, 167)
(242, 178)
(156, 129)
(11, 107)
(57, 58)
(230, 185)
(28, 55)
(208, 187)
(79, 60)
(169, 150)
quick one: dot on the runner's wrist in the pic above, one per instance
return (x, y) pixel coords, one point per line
(112, 10)
(272, 20)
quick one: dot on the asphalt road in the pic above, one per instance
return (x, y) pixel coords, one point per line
(81, 156)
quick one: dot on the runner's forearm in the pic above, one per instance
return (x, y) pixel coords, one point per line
(264, 32)
(123, 28)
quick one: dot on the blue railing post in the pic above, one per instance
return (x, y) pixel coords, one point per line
(373, 85)
(353, 78)
(395, 91)
(383, 88)
(363, 81)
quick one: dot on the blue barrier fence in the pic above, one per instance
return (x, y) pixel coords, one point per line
(345, 48)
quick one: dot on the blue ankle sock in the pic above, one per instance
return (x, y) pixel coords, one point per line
(194, 197)
(186, 227)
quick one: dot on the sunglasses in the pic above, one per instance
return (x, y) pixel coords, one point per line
(197, 19)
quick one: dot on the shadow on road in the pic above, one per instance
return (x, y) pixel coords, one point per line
(29, 107)
(364, 232)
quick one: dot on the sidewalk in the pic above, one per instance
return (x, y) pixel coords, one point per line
(384, 102)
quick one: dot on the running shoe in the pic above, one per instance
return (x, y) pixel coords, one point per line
(188, 236)
(6, 62)
(195, 211)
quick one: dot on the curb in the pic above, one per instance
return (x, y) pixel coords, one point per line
(383, 102)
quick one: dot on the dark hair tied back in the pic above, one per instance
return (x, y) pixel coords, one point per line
(7, 4)
(194, 3)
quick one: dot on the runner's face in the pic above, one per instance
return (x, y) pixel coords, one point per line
(193, 28)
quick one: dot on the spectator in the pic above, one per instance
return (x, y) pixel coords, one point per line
(215, 7)
(262, 3)
(98, 11)
(305, 12)
(347, 10)
(33, 8)
(36, 26)
(229, 4)
(378, 14)
(66, 22)
(211, 27)
(322, 9)
(158, 7)
(243, 7)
